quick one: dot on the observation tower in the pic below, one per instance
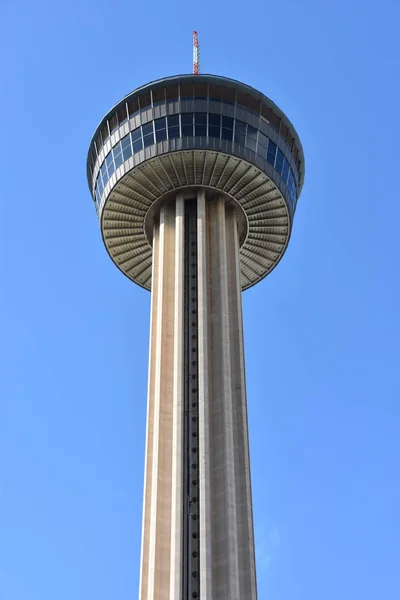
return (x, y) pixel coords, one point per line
(195, 180)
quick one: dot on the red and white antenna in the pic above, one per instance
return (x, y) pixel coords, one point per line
(196, 54)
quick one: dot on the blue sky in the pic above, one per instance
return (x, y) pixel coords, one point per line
(321, 333)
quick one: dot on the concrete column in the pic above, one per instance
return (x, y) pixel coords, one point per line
(225, 532)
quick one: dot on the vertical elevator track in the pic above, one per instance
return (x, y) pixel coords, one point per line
(191, 560)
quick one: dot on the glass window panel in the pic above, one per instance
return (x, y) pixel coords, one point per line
(251, 132)
(279, 162)
(186, 91)
(201, 130)
(148, 128)
(148, 140)
(161, 135)
(200, 118)
(187, 118)
(144, 100)
(187, 130)
(251, 144)
(262, 140)
(214, 119)
(133, 106)
(109, 159)
(158, 95)
(126, 141)
(117, 149)
(160, 123)
(97, 194)
(227, 122)
(240, 127)
(215, 92)
(171, 93)
(214, 131)
(285, 170)
(127, 151)
(103, 171)
(118, 161)
(271, 153)
(136, 134)
(173, 132)
(111, 169)
(137, 145)
(173, 120)
(227, 134)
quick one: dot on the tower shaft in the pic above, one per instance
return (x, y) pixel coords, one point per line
(197, 539)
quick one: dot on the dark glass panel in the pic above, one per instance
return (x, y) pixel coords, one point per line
(160, 123)
(214, 131)
(144, 100)
(285, 170)
(215, 92)
(173, 132)
(137, 145)
(227, 134)
(117, 149)
(187, 118)
(127, 151)
(271, 153)
(158, 95)
(251, 132)
(262, 140)
(111, 169)
(126, 141)
(187, 130)
(133, 106)
(148, 140)
(200, 118)
(118, 161)
(228, 95)
(227, 122)
(214, 119)
(147, 128)
(136, 134)
(200, 91)
(173, 120)
(171, 92)
(279, 162)
(103, 171)
(186, 91)
(201, 130)
(161, 135)
(108, 159)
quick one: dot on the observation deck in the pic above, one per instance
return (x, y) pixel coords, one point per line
(188, 132)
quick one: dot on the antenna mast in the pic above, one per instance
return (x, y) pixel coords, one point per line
(196, 54)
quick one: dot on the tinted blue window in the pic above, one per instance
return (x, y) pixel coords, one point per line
(161, 135)
(187, 124)
(262, 140)
(111, 169)
(227, 122)
(160, 123)
(271, 153)
(127, 152)
(109, 159)
(173, 121)
(200, 118)
(148, 140)
(125, 142)
(104, 171)
(279, 162)
(173, 132)
(200, 130)
(136, 134)
(285, 170)
(117, 149)
(251, 140)
(240, 132)
(148, 128)
(227, 134)
(214, 119)
(118, 161)
(214, 131)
